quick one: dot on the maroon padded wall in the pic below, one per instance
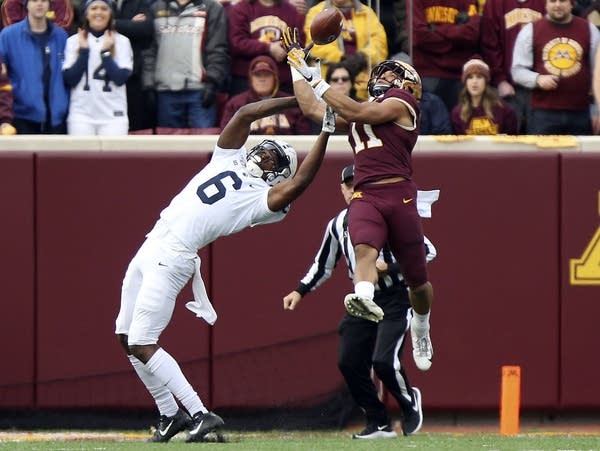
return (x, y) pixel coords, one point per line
(17, 320)
(93, 212)
(495, 278)
(580, 307)
(266, 356)
(505, 227)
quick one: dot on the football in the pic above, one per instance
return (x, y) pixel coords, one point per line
(326, 26)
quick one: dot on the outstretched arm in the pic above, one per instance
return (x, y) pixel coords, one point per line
(311, 107)
(236, 132)
(346, 108)
(308, 103)
(281, 195)
(368, 112)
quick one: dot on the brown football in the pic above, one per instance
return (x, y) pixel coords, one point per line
(326, 26)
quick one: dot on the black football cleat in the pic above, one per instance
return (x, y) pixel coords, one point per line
(202, 424)
(168, 427)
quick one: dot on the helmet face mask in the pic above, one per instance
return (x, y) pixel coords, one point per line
(281, 154)
(406, 77)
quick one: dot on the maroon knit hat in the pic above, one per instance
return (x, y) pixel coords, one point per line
(475, 65)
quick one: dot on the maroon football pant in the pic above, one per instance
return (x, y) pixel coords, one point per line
(387, 213)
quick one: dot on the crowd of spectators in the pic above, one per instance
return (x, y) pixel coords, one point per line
(487, 67)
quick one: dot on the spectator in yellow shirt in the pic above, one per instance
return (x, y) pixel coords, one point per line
(361, 45)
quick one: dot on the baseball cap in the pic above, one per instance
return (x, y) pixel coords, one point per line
(348, 174)
(262, 66)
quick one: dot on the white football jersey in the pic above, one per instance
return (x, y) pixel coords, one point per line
(93, 99)
(220, 200)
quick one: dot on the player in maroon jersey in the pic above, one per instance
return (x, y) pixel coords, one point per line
(382, 133)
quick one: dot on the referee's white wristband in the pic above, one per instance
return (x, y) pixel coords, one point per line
(320, 87)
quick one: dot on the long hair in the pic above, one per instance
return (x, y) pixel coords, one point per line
(489, 100)
(332, 67)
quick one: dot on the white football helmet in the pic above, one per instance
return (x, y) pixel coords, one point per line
(284, 156)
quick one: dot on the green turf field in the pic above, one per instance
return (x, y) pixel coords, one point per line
(305, 440)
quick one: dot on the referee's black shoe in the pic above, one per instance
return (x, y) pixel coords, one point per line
(374, 431)
(168, 427)
(413, 419)
(202, 424)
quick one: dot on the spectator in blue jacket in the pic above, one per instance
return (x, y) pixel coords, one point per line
(33, 51)
(435, 118)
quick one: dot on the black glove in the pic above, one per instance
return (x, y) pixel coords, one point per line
(355, 63)
(461, 18)
(209, 94)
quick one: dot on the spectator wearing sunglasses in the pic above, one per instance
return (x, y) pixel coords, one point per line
(341, 79)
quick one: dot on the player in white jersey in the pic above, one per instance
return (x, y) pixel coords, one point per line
(236, 189)
(98, 62)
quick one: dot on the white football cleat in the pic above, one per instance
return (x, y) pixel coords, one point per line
(422, 347)
(363, 308)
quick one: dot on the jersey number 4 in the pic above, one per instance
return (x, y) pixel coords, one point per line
(99, 74)
(214, 189)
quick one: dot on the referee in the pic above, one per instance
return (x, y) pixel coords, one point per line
(364, 344)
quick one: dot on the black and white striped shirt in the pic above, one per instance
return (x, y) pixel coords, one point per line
(336, 242)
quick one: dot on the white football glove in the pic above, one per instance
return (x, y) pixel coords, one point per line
(329, 120)
(315, 70)
(311, 74)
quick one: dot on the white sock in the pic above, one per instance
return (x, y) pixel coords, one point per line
(365, 289)
(167, 370)
(162, 396)
(421, 321)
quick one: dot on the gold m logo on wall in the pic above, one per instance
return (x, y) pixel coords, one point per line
(586, 269)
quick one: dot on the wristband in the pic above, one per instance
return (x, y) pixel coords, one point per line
(302, 289)
(105, 53)
(320, 87)
(296, 76)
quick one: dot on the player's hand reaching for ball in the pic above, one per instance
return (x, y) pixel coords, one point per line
(329, 120)
(291, 41)
(296, 58)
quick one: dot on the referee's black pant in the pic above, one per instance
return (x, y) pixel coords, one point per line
(365, 344)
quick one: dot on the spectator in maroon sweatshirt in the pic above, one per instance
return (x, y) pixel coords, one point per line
(255, 28)
(480, 111)
(445, 35)
(555, 57)
(501, 22)
(264, 84)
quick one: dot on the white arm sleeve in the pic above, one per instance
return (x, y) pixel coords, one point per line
(522, 63)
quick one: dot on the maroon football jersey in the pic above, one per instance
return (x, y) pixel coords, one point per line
(384, 150)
